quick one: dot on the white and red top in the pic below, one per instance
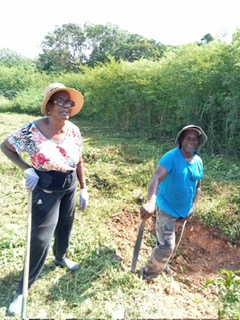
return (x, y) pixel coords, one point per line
(45, 153)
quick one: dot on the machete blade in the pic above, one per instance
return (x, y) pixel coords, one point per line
(137, 246)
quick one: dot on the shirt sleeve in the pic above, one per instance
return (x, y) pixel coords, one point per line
(19, 138)
(167, 160)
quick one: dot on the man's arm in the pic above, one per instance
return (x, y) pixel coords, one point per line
(197, 195)
(148, 208)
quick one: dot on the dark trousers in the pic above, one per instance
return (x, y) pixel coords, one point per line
(52, 215)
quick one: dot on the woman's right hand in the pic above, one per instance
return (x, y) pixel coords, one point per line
(31, 178)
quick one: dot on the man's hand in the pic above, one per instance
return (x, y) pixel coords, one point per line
(84, 198)
(189, 216)
(31, 178)
(147, 210)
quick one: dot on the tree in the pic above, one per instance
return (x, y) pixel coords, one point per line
(9, 58)
(109, 40)
(70, 47)
(63, 50)
(206, 39)
(136, 47)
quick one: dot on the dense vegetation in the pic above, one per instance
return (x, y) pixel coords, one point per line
(189, 84)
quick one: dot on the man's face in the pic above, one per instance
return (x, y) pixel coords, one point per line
(189, 140)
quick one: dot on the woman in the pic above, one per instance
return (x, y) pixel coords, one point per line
(54, 146)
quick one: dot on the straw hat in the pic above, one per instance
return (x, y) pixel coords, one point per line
(75, 96)
(202, 136)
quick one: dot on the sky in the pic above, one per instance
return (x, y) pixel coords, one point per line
(25, 23)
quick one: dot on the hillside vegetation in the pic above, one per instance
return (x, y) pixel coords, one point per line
(190, 84)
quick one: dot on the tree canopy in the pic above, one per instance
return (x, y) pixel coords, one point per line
(71, 46)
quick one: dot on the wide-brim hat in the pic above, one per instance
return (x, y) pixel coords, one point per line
(75, 96)
(202, 136)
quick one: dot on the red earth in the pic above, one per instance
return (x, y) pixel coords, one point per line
(202, 253)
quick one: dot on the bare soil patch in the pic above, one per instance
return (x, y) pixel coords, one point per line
(203, 252)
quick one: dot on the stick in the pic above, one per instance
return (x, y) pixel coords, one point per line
(27, 255)
(179, 241)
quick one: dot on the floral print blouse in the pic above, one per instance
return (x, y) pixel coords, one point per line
(45, 153)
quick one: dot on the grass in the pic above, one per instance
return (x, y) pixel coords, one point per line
(118, 169)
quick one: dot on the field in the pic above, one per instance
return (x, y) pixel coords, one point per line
(118, 169)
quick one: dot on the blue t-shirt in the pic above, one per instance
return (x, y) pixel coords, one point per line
(176, 192)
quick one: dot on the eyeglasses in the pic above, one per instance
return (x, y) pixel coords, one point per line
(60, 103)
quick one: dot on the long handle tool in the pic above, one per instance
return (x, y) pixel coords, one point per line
(27, 256)
(137, 246)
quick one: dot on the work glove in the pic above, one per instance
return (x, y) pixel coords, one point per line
(31, 178)
(84, 198)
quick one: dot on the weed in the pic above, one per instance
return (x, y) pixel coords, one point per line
(227, 290)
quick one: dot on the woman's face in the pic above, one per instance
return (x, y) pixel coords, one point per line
(60, 105)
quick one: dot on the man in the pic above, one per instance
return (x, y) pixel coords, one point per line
(174, 189)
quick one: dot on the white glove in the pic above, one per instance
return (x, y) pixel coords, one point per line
(31, 178)
(84, 198)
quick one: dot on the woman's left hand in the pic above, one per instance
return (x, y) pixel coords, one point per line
(84, 198)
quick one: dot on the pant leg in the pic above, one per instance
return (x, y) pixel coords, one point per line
(64, 226)
(45, 213)
(165, 231)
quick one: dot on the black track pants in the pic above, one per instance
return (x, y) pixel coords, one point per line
(52, 215)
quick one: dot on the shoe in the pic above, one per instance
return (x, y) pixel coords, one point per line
(146, 277)
(15, 307)
(66, 263)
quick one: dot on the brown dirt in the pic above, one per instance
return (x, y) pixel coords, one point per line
(201, 255)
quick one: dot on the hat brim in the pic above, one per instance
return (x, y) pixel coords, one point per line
(75, 96)
(202, 138)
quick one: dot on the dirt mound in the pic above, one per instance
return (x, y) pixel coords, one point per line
(203, 249)
(201, 255)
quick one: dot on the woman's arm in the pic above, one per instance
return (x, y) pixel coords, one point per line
(84, 198)
(80, 174)
(12, 155)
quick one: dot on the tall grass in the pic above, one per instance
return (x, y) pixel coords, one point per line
(196, 84)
